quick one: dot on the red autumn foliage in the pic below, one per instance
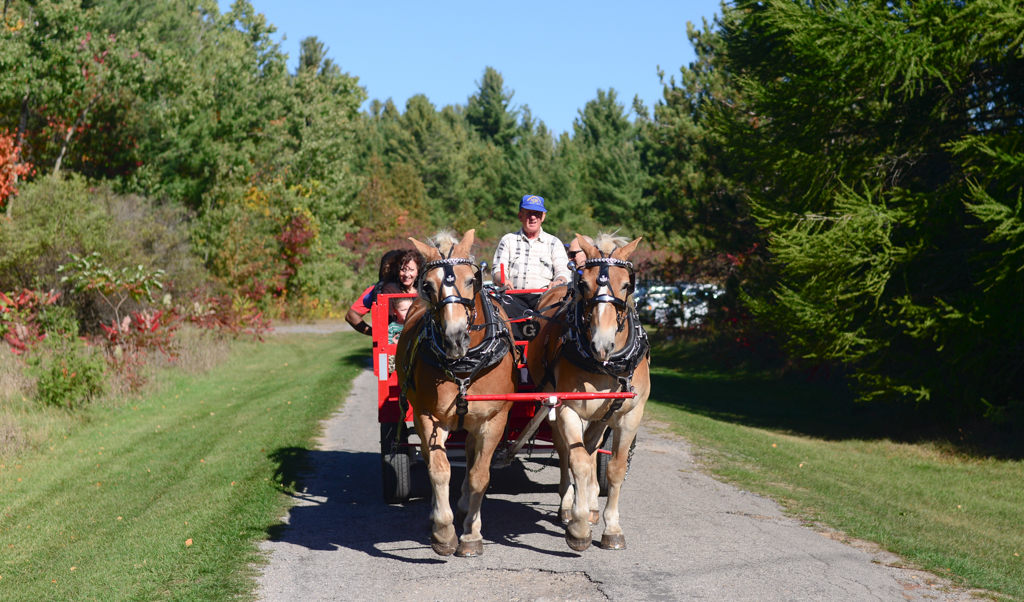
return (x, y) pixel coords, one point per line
(19, 318)
(126, 344)
(10, 167)
(367, 246)
(222, 314)
(295, 238)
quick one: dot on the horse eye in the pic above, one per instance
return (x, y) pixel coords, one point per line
(469, 282)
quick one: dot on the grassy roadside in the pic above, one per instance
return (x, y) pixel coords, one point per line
(831, 461)
(164, 500)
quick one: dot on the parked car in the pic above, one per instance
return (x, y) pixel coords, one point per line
(682, 305)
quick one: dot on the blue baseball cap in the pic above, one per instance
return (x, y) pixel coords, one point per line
(532, 202)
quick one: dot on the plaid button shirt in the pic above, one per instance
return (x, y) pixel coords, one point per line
(530, 263)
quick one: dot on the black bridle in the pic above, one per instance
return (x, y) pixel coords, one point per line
(603, 280)
(496, 344)
(447, 265)
(575, 343)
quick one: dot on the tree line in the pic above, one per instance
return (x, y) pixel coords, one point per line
(851, 171)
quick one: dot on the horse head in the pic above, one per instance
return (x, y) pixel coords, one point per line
(449, 284)
(603, 287)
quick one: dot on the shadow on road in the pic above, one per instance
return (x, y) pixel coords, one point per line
(355, 516)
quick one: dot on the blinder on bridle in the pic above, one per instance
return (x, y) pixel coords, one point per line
(603, 280)
(448, 280)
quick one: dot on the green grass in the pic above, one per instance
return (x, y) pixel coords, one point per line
(105, 514)
(832, 461)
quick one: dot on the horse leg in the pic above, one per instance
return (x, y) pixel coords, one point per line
(613, 538)
(592, 439)
(464, 502)
(565, 492)
(478, 476)
(433, 435)
(577, 533)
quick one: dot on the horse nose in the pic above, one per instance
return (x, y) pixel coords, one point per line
(456, 345)
(602, 348)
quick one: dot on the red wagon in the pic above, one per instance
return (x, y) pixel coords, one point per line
(528, 427)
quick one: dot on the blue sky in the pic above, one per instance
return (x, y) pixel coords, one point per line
(554, 55)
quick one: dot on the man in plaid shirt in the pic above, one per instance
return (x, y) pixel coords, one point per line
(532, 257)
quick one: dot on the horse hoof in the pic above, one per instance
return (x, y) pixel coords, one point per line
(468, 549)
(595, 517)
(565, 515)
(443, 548)
(613, 541)
(577, 545)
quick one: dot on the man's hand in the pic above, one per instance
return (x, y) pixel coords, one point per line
(557, 282)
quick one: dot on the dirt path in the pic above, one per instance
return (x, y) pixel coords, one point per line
(318, 327)
(689, 536)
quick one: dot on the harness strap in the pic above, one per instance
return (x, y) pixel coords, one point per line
(486, 354)
(620, 366)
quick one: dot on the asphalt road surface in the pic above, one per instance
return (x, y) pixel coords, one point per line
(689, 537)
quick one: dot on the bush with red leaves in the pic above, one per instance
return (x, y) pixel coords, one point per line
(224, 315)
(19, 318)
(126, 344)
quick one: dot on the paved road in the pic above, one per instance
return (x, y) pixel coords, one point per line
(690, 537)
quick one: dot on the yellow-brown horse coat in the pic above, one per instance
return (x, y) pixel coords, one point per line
(578, 429)
(432, 397)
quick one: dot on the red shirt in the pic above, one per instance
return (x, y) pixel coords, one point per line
(359, 307)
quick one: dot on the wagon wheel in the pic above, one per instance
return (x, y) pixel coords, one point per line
(388, 434)
(395, 476)
(602, 461)
(395, 464)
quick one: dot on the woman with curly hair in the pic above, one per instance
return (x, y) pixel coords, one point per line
(399, 270)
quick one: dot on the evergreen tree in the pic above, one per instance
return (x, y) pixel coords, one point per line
(691, 205)
(490, 113)
(881, 149)
(614, 177)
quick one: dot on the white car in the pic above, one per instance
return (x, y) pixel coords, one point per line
(682, 305)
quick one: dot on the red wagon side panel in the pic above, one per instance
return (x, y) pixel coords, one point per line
(388, 409)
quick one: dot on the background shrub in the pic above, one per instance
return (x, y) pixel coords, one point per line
(68, 373)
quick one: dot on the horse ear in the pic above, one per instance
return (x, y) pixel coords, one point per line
(426, 250)
(586, 246)
(627, 250)
(462, 249)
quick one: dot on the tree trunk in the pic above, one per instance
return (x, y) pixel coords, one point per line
(23, 119)
(71, 132)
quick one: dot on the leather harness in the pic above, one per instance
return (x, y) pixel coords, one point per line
(428, 346)
(574, 345)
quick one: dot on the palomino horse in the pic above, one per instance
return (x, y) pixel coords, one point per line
(456, 342)
(593, 342)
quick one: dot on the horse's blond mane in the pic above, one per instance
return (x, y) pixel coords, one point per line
(444, 240)
(608, 242)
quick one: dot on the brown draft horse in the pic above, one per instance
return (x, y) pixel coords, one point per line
(593, 342)
(455, 342)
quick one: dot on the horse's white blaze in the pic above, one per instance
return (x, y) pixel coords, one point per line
(603, 329)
